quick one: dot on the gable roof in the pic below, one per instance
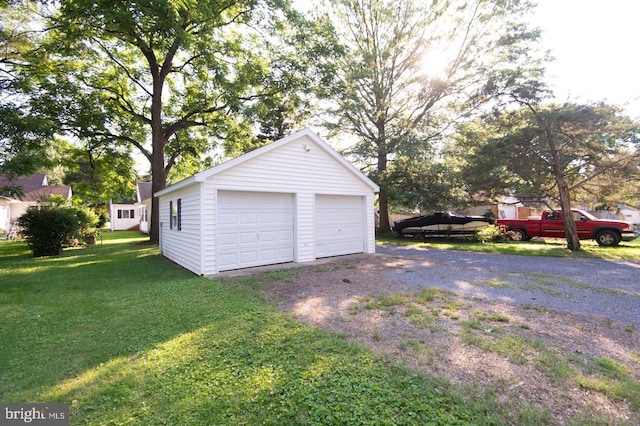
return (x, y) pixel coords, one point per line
(144, 191)
(204, 175)
(36, 187)
(27, 183)
(45, 192)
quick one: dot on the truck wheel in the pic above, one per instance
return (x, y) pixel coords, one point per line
(518, 235)
(607, 238)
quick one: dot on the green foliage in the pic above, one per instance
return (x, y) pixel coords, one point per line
(399, 106)
(47, 229)
(97, 174)
(555, 154)
(535, 152)
(423, 184)
(613, 379)
(87, 222)
(23, 133)
(173, 80)
(488, 233)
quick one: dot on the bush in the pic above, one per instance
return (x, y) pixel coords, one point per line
(47, 228)
(488, 233)
(87, 222)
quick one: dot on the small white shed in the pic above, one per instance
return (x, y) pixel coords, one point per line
(294, 200)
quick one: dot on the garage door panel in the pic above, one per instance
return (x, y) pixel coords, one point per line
(339, 225)
(226, 219)
(249, 219)
(227, 239)
(254, 229)
(268, 218)
(247, 238)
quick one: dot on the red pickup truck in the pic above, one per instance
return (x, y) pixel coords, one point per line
(605, 232)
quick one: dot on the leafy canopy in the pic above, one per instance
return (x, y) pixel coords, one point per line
(413, 68)
(175, 80)
(555, 154)
(528, 151)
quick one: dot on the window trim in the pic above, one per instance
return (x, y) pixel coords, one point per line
(175, 214)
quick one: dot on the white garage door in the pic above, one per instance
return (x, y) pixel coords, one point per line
(254, 229)
(339, 225)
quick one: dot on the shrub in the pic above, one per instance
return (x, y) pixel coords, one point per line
(47, 228)
(87, 223)
(102, 220)
(488, 233)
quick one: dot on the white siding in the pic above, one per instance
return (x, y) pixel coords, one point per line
(124, 223)
(292, 169)
(4, 215)
(370, 237)
(304, 227)
(183, 246)
(208, 195)
(302, 166)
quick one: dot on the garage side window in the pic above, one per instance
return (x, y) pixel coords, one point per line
(175, 214)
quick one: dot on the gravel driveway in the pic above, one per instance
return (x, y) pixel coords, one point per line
(609, 288)
(526, 329)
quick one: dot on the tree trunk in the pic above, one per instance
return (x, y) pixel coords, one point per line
(383, 198)
(570, 228)
(158, 172)
(383, 204)
(158, 183)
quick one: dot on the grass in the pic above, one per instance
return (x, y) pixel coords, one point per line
(497, 333)
(549, 247)
(126, 337)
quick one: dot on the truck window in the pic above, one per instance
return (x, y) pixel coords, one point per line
(553, 216)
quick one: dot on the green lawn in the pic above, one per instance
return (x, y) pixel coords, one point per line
(126, 337)
(551, 247)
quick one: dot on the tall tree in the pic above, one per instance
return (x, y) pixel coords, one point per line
(171, 78)
(554, 154)
(416, 66)
(22, 134)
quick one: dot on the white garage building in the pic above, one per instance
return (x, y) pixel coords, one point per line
(294, 200)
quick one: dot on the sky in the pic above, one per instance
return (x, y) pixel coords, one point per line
(595, 45)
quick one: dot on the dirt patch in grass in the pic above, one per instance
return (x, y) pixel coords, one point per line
(534, 364)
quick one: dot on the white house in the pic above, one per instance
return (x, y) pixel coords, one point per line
(144, 207)
(35, 191)
(131, 214)
(294, 200)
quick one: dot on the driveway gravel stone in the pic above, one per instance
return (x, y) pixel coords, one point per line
(608, 288)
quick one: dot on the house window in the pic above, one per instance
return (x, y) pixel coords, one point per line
(126, 214)
(175, 209)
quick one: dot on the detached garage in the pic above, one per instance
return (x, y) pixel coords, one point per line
(294, 200)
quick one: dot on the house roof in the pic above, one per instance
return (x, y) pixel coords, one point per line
(204, 175)
(36, 187)
(27, 183)
(144, 191)
(45, 192)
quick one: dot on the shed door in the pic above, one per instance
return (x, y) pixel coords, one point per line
(254, 229)
(339, 225)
